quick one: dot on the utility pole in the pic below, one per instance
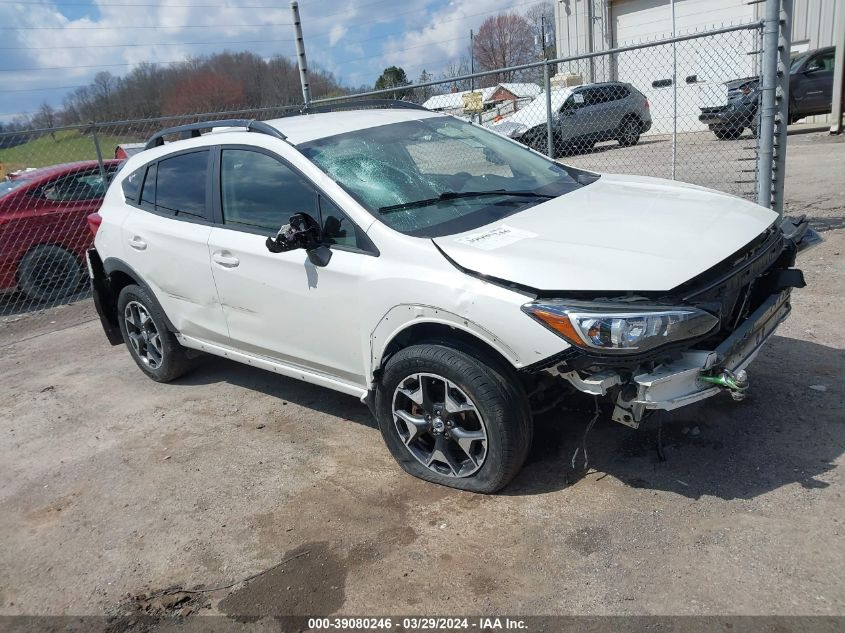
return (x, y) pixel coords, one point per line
(674, 95)
(543, 36)
(471, 59)
(838, 72)
(300, 54)
(590, 38)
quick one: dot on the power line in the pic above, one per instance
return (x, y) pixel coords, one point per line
(218, 42)
(156, 26)
(42, 89)
(14, 70)
(401, 50)
(142, 5)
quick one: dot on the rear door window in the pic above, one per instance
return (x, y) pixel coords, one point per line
(181, 184)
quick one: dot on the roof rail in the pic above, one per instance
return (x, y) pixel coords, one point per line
(157, 139)
(364, 104)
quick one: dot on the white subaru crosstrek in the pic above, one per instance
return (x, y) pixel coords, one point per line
(454, 280)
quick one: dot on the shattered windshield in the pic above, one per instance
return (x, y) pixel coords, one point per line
(439, 175)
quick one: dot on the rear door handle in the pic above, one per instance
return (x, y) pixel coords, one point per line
(225, 259)
(137, 243)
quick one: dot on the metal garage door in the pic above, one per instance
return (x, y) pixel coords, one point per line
(702, 65)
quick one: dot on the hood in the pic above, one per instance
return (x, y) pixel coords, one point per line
(625, 233)
(734, 84)
(532, 114)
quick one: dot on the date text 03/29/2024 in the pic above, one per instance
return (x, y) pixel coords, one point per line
(418, 623)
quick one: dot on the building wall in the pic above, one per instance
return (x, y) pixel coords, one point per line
(812, 26)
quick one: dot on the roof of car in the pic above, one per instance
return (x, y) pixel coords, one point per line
(308, 127)
(63, 168)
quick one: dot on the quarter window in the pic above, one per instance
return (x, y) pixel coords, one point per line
(132, 185)
(259, 192)
(180, 184)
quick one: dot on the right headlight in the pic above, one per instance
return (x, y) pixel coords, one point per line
(619, 329)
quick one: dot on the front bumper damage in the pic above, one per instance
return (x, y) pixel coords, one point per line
(702, 371)
(681, 382)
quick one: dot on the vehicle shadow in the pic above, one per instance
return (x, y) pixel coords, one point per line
(783, 433)
(14, 303)
(828, 223)
(220, 370)
(604, 146)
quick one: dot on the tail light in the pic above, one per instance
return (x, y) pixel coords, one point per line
(94, 222)
(647, 104)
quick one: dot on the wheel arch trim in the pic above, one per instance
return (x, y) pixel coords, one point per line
(403, 318)
(113, 265)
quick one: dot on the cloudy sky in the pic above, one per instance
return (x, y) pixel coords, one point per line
(48, 48)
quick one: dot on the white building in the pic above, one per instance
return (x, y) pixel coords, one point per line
(699, 66)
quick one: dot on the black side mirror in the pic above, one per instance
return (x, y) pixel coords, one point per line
(301, 231)
(320, 256)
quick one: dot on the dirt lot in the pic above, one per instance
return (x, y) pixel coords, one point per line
(113, 488)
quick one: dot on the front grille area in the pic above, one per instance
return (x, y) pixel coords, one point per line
(738, 286)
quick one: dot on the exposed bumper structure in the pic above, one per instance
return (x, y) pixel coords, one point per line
(680, 383)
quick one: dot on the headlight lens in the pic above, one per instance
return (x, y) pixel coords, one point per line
(620, 329)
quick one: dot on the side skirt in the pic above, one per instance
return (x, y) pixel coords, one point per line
(291, 371)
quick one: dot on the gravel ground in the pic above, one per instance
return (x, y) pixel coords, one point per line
(113, 488)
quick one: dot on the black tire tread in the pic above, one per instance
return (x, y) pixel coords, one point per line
(176, 361)
(491, 387)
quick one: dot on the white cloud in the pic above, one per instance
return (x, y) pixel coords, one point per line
(337, 32)
(444, 37)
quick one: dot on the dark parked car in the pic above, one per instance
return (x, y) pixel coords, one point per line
(43, 228)
(810, 92)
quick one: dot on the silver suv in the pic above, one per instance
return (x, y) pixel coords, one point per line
(582, 117)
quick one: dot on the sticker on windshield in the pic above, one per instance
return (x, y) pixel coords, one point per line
(578, 97)
(495, 238)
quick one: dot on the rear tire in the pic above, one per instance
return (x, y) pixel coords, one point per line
(48, 272)
(629, 132)
(153, 347)
(475, 439)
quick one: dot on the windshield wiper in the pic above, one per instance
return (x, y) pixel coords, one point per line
(454, 195)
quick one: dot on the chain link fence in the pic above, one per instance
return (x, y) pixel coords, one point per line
(685, 108)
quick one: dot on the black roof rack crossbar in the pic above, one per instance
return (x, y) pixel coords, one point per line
(192, 130)
(361, 104)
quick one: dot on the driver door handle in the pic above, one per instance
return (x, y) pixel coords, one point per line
(137, 243)
(225, 259)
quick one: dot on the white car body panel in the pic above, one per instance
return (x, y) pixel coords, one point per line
(620, 233)
(184, 287)
(331, 326)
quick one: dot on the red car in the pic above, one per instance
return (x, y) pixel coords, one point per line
(43, 228)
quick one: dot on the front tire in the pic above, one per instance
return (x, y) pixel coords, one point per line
(450, 418)
(728, 133)
(153, 347)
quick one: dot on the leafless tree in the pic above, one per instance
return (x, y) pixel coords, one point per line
(503, 40)
(422, 94)
(45, 118)
(542, 15)
(457, 68)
